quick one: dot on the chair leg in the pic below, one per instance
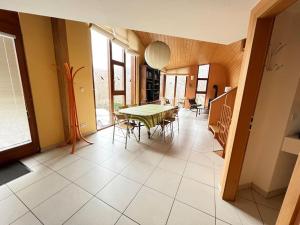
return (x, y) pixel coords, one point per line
(114, 134)
(126, 141)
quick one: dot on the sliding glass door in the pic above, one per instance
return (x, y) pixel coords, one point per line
(18, 131)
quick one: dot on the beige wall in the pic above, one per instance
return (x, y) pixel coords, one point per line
(80, 54)
(39, 51)
(265, 165)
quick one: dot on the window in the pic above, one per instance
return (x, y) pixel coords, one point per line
(174, 88)
(117, 52)
(202, 82)
(101, 79)
(119, 101)
(130, 79)
(170, 85)
(119, 78)
(180, 88)
(113, 87)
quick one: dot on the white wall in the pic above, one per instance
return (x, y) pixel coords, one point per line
(265, 165)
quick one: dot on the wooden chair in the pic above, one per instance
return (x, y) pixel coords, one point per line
(122, 122)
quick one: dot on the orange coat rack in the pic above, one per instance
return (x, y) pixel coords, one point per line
(75, 134)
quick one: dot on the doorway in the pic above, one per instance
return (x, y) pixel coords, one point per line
(18, 130)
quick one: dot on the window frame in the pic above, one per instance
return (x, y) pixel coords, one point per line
(206, 79)
(175, 87)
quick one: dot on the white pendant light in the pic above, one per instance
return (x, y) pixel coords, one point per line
(157, 54)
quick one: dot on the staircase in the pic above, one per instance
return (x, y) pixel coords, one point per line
(220, 114)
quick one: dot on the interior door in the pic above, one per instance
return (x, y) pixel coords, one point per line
(18, 130)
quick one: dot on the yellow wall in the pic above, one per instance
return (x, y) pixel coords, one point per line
(80, 54)
(39, 51)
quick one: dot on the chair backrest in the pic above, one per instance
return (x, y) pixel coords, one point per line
(123, 107)
(192, 101)
(119, 118)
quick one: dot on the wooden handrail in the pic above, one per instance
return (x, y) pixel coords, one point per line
(223, 95)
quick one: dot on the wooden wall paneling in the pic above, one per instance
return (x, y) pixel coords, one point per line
(230, 56)
(61, 56)
(217, 76)
(191, 85)
(184, 52)
(143, 77)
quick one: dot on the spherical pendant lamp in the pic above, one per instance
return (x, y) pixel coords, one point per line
(157, 54)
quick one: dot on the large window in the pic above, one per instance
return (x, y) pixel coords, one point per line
(202, 82)
(101, 78)
(130, 79)
(115, 89)
(175, 87)
(180, 87)
(170, 87)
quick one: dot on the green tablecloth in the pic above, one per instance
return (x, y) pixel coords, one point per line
(149, 115)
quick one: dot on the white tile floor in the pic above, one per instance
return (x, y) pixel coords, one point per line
(152, 183)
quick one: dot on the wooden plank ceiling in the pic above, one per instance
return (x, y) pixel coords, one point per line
(184, 52)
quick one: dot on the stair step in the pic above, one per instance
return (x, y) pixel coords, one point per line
(214, 129)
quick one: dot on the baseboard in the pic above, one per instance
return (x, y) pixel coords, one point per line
(265, 194)
(269, 194)
(61, 144)
(244, 186)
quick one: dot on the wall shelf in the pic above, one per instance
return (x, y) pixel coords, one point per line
(291, 145)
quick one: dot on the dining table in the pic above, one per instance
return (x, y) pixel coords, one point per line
(149, 115)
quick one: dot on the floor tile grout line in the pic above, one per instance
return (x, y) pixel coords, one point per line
(120, 172)
(141, 187)
(38, 180)
(29, 210)
(177, 190)
(93, 196)
(256, 205)
(215, 203)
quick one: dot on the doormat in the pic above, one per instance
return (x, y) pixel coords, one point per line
(12, 171)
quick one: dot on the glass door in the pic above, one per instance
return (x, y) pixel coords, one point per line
(18, 131)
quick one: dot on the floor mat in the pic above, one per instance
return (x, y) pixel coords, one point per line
(12, 171)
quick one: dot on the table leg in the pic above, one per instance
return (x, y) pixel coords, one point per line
(149, 134)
